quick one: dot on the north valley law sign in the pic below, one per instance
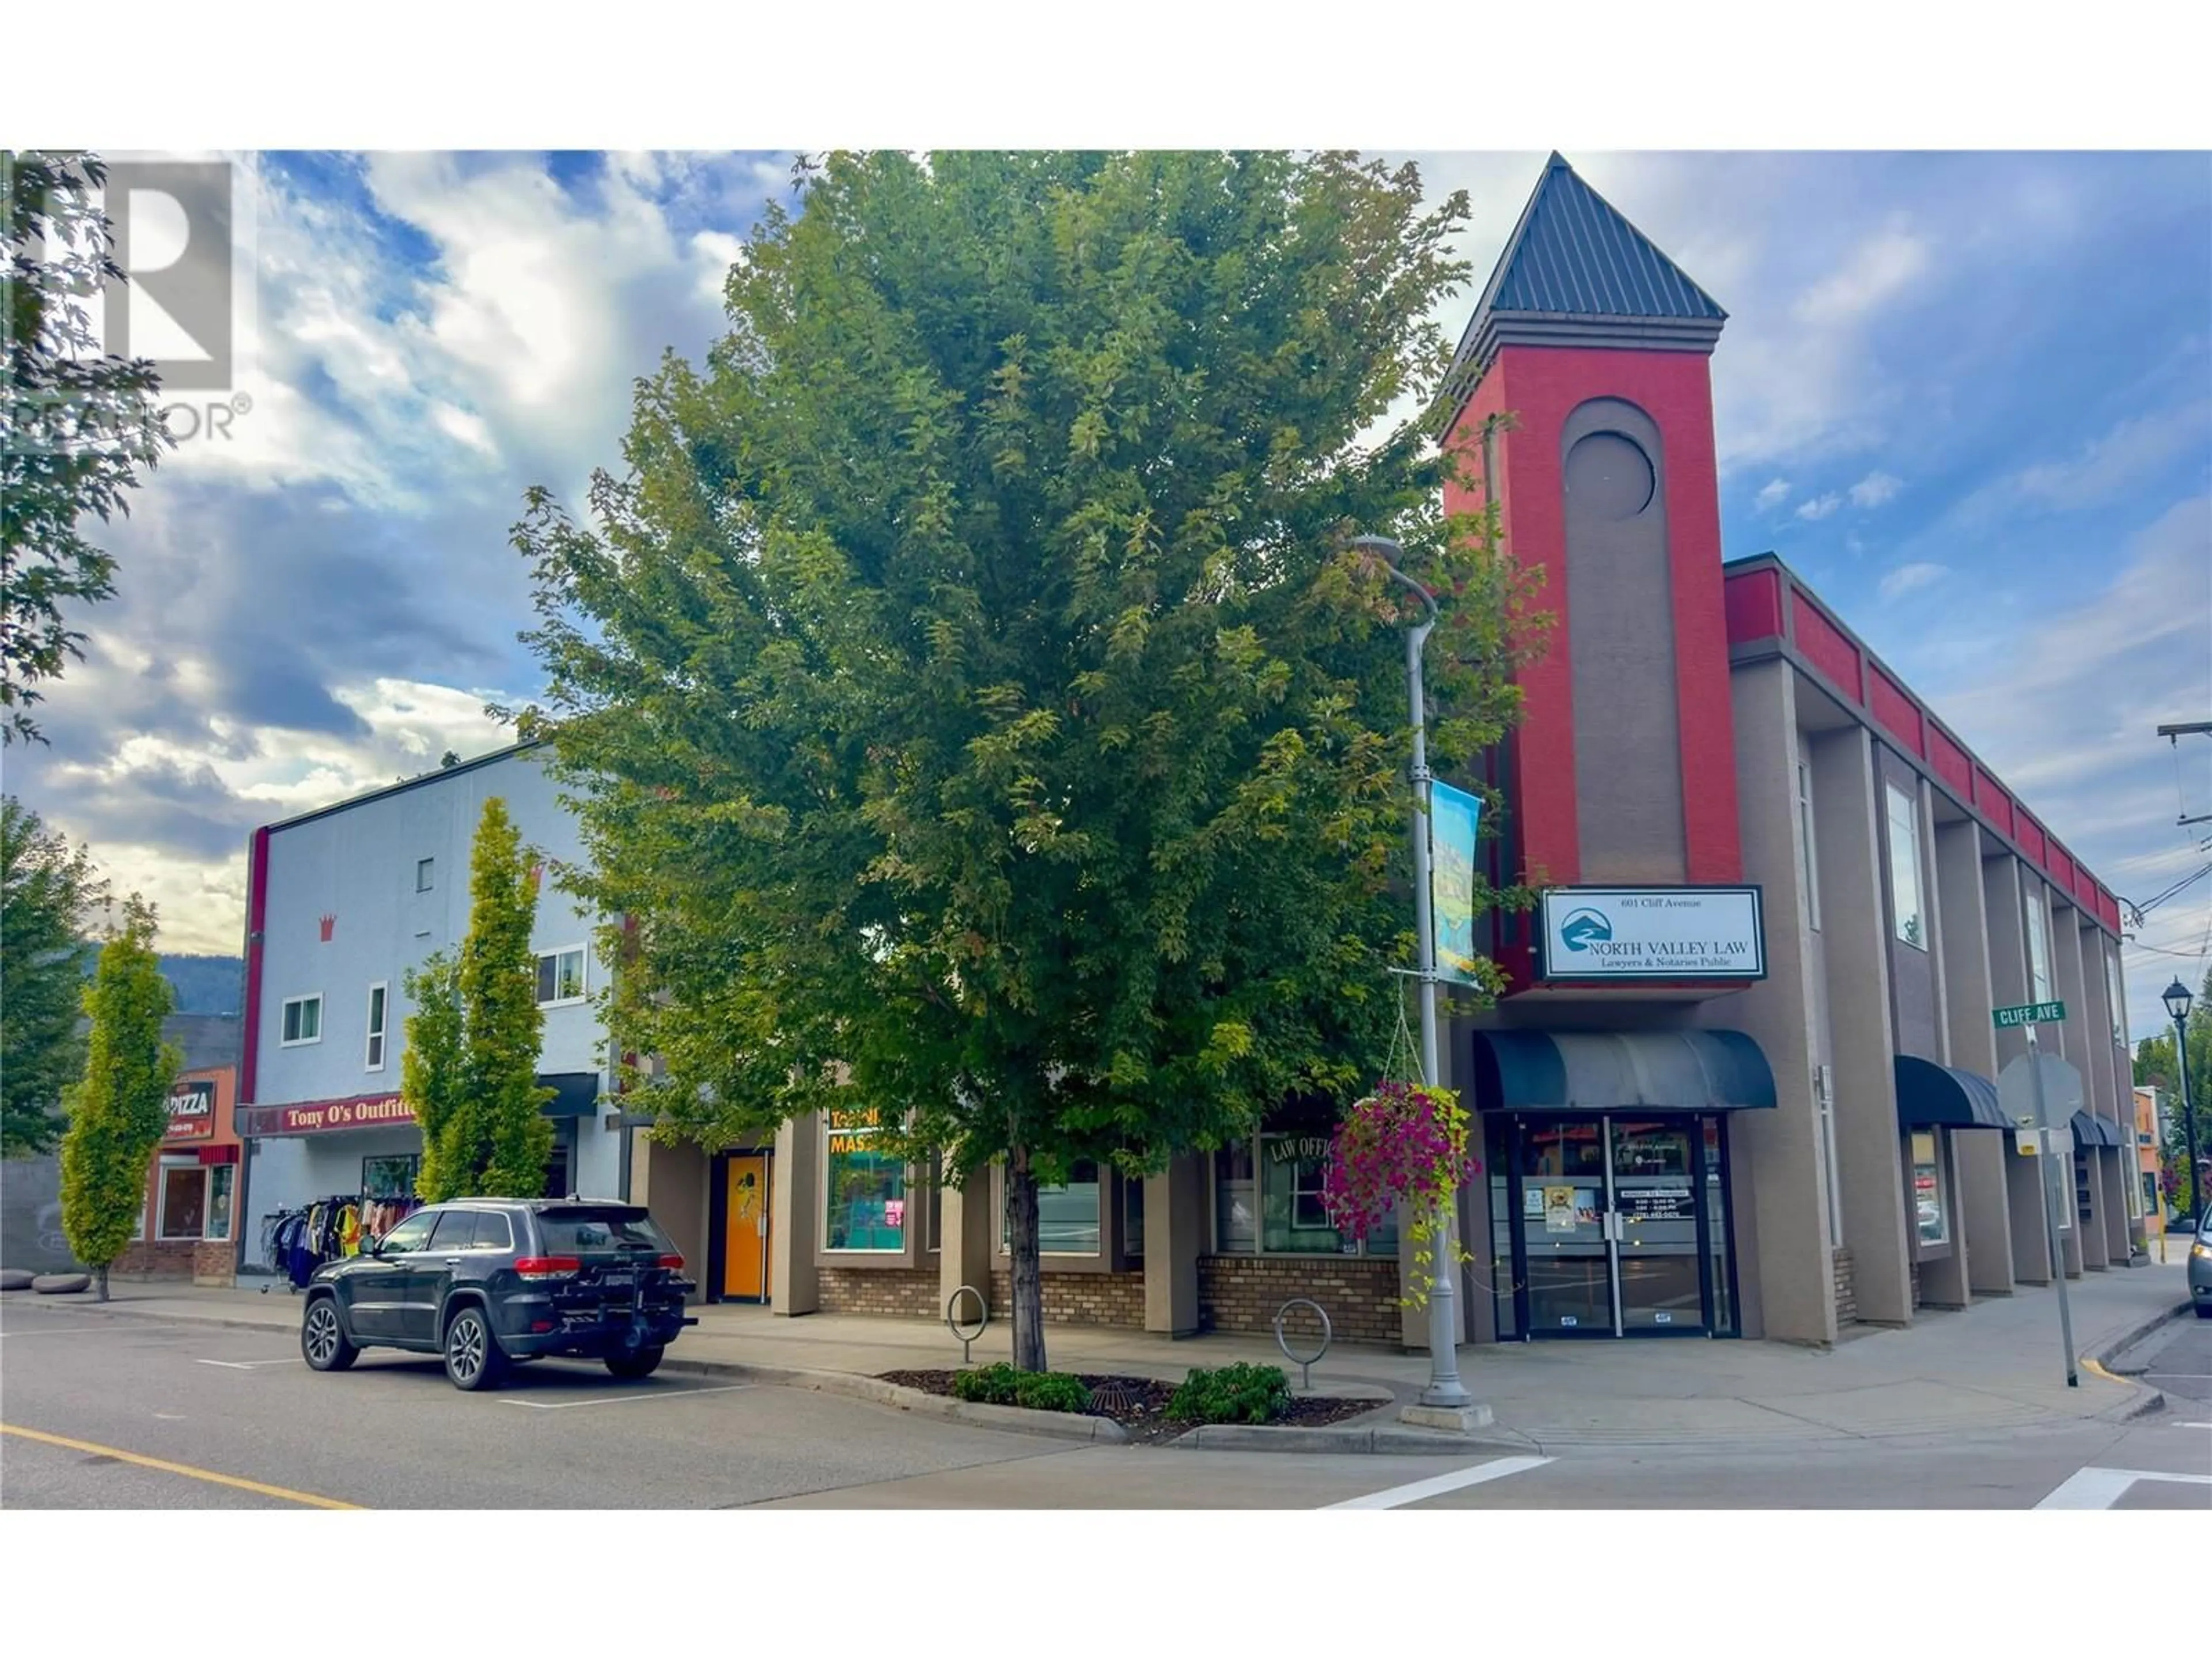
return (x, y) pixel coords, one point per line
(1599, 935)
(312, 1117)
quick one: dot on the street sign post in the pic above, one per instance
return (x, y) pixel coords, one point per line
(2027, 1016)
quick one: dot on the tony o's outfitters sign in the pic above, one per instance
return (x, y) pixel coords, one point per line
(321, 1116)
(1602, 934)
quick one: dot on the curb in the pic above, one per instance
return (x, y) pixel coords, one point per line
(2128, 1338)
(1055, 1426)
(110, 1310)
(1384, 1440)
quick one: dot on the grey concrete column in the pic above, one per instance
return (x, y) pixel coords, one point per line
(795, 1190)
(1785, 1271)
(2073, 1034)
(2006, 918)
(964, 1244)
(2101, 1081)
(1855, 938)
(1174, 1238)
(1985, 1208)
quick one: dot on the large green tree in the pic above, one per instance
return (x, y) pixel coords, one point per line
(471, 1068)
(118, 1108)
(972, 701)
(2156, 1065)
(49, 892)
(77, 426)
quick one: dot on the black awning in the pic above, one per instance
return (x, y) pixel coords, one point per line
(1699, 1071)
(1929, 1096)
(575, 1094)
(2090, 1131)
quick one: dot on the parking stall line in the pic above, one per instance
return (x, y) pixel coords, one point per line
(1435, 1486)
(249, 1365)
(311, 1499)
(625, 1398)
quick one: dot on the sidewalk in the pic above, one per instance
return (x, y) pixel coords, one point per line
(1998, 1365)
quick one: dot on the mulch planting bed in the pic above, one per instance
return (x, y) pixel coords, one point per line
(1139, 1404)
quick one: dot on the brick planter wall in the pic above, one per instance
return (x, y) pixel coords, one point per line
(1242, 1293)
(1847, 1295)
(214, 1261)
(152, 1258)
(1116, 1299)
(908, 1291)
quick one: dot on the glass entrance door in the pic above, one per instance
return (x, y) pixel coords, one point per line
(1656, 1254)
(1621, 1226)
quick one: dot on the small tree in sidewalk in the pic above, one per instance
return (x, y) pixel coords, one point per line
(471, 1070)
(117, 1110)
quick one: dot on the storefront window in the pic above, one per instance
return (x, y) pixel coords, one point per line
(1067, 1215)
(1934, 1225)
(389, 1177)
(866, 1188)
(183, 1201)
(1286, 1215)
(219, 1181)
(2038, 947)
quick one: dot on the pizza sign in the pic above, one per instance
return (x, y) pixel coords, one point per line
(192, 1111)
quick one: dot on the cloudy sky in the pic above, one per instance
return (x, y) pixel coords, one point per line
(1968, 397)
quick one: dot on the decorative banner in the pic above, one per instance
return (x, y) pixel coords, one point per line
(1453, 815)
(1600, 934)
(192, 1111)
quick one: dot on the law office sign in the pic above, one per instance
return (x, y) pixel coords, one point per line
(1603, 935)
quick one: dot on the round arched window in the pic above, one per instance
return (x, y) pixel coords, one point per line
(1609, 477)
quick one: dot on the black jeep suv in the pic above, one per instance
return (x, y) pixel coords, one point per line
(484, 1280)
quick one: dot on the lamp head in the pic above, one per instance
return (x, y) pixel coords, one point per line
(2176, 1001)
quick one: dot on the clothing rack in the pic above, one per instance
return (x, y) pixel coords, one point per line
(296, 1242)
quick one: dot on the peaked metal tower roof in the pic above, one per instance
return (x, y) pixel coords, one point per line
(1576, 273)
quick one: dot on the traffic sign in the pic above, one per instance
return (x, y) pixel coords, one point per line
(2028, 1014)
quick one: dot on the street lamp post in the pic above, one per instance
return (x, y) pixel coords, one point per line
(2177, 1001)
(1445, 1390)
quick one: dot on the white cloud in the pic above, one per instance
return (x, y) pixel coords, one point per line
(1880, 268)
(1773, 494)
(2107, 464)
(1875, 489)
(1910, 578)
(1821, 505)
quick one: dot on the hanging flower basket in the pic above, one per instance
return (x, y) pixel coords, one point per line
(1403, 1143)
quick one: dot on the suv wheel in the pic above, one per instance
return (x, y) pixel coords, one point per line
(473, 1360)
(323, 1340)
(643, 1363)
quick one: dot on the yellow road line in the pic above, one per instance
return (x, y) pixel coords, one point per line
(187, 1470)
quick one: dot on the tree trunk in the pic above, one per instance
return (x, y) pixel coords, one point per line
(99, 1282)
(1028, 1275)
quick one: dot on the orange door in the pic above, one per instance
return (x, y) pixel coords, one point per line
(745, 1228)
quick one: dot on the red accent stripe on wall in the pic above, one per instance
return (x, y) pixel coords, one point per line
(1950, 762)
(2061, 869)
(1754, 607)
(2029, 835)
(1991, 799)
(1826, 646)
(256, 914)
(1896, 710)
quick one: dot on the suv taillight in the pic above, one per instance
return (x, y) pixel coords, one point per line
(673, 1263)
(548, 1267)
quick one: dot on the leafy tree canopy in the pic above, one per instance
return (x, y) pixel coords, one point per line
(48, 894)
(970, 695)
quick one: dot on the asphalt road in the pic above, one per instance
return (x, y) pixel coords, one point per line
(2176, 1359)
(109, 1412)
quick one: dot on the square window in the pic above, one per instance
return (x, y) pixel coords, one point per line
(426, 874)
(561, 975)
(303, 1019)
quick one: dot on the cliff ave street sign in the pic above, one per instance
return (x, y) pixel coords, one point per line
(2029, 1013)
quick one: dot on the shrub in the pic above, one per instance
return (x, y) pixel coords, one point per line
(1000, 1384)
(1051, 1391)
(989, 1385)
(1235, 1393)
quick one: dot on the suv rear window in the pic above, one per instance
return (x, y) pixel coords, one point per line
(604, 1227)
